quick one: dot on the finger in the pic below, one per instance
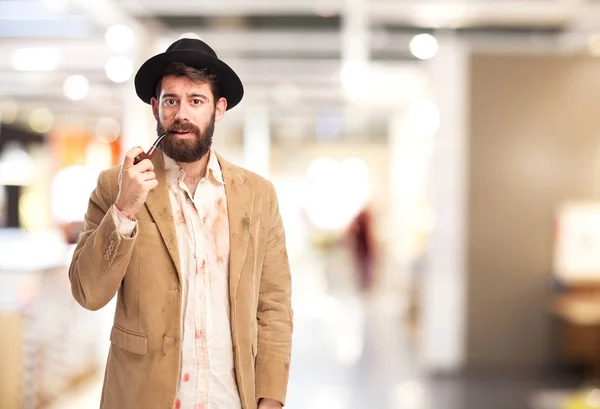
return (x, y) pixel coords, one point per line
(145, 165)
(151, 184)
(130, 155)
(146, 176)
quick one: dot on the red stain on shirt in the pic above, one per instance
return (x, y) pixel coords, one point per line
(200, 406)
(219, 231)
(198, 334)
(186, 377)
(200, 267)
(180, 218)
(177, 404)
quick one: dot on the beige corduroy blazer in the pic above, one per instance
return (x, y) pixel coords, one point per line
(143, 364)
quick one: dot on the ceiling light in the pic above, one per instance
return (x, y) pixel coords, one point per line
(119, 38)
(108, 130)
(15, 164)
(8, 111)
(119, 69)
(41, 120)
(424, 46)
(35, 59)
(76, 87)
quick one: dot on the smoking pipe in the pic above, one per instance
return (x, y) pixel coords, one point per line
(151, 151)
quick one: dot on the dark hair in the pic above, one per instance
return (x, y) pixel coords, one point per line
(200, 76)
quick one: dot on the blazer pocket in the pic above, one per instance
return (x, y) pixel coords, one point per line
(129, 341)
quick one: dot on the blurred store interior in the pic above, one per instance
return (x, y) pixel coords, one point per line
(461, 138)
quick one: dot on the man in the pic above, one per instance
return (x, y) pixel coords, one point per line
(195, 248)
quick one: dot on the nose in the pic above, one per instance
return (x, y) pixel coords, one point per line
(182, 113)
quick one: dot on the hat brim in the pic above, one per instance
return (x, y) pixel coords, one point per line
(151, 71)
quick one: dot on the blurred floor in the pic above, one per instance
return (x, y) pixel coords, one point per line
(351, 352)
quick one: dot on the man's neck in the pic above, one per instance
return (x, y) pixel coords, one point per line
(194, 172)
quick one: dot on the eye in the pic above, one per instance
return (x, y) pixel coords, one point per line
(170, 101)
(197, 101)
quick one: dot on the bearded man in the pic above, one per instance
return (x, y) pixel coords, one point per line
(194, 247)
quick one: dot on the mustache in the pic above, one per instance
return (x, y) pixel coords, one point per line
(179, 126)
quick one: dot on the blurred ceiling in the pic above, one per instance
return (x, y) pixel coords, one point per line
(289, 53)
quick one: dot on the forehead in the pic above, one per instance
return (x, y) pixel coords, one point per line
(183, 85)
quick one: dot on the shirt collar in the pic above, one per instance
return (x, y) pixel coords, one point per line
(173, 170)
(214, 167)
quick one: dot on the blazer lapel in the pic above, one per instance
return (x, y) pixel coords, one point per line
(158, 203)
(240, 205)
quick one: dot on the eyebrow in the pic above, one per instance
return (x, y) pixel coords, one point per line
(201, 96)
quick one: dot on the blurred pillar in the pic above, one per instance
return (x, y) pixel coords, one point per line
(406, 160)
(355, 52)
(257, 140)
(443, 288)
(355, 31)
(138, 123)
(13, 196)
(137, 129)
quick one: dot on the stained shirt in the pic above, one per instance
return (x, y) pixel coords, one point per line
(202, 227)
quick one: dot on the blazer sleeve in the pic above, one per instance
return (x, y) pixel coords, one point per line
(102, 255)
(275, 314)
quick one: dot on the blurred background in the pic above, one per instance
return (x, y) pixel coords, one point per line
(438, 170)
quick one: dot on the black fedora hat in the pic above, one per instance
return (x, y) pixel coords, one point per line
(194, 53)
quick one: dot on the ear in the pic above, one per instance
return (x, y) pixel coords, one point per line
(154, 103)
(220, 109)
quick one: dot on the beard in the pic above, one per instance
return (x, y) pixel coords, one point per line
(186, 150)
